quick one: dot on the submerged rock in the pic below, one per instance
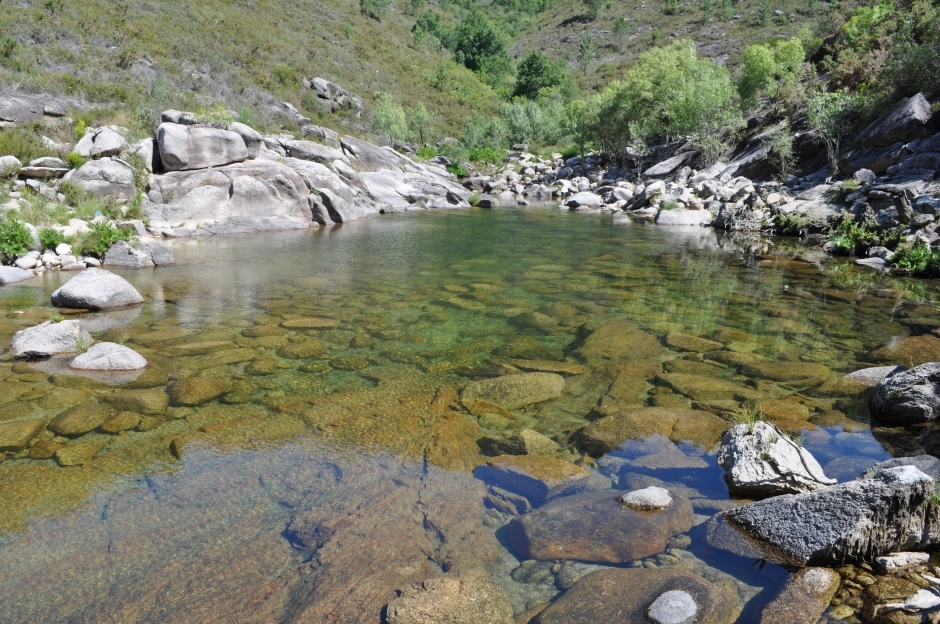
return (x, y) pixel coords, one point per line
(804, 598)
(853, 521)
(597, 528)
(639, 423)
(49, 339)
(515, 391)
(96, 289)
(539, 478)
(196, 390)
(522, 442)
(462, 598)
(760, 460)
(629, 595)
(908, 397)
(80, 419)
(16, 435)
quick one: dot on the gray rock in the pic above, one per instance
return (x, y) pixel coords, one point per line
(13, 275)
(854, 521)
(585, 199)
(668, 166)
(338, 210)
(48, 161)
(49, 339)
(96, 289)
(26, 263)
(147, 150)
(681, 216)
(927, 464)
(897, 562)
(864, 176)
(159, 253)
(673, 607)
(9, 165)
(21, 108)
(875, 159)
(650, 498)
(903, 123)
(315, 152)
(804, 598)
(193, 147)
(874, 375)
(107, 142)
(522, 442)
(908, 397)
(515, 391)
(54, 109)
(369, 157)
(122, 254)
(251, 138)
(109, 356)
(760, 460)
(106, 179)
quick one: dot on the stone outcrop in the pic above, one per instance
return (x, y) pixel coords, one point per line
(903, 123)
(804, 597)
(908, 397)
(854, 521)
(106, 178)
(760, 460)
(185, 148)
(14, 275)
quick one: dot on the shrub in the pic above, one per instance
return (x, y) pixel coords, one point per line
(429, 25)
(49, 238)
(419, 122)
(474, 199)
(425, 153)
(593, 8)
(458, 170)
(621, 29)
(75, 160)
(485, 154)
(829, 113)
(476, 43)
(789, 224)
(215, 114)
(768, 66)
(24, 142)
(587, 51)
(388, 118)
(284, 75)
(15, 239)
(374, 8)
(100, 237)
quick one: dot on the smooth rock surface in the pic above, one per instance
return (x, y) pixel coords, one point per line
(538, 478)
(196, 390)
(80, 419)
(639, 423)
(13, 275)
(109, 356)
(122, 254)
(625, 595)
(49, 339)
(760, 460)
(106, 179)
(651, 498)
(16, 435)
(96, 289)
(804, 598)
(521, 442)
(596, 528)
(673, 607)
(193, 147)
(895, 562)
(515, 391)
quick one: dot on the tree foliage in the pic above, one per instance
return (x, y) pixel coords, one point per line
(388, 118)
(537, 75)
(587, 51)
(477, 44)
(768, 66)
(829, 113)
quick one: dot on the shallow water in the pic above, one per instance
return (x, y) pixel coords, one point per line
(305, 487)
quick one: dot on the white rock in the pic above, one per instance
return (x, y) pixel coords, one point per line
(49, 339)
(673, 607)
(109, 356)
(900, 561)
(27, 263)
(107, 142)
(681, 216)
(872, 376)
(190, 147)
(9, 165)
(63, 248)
(96, 289)
(12, 275)
(584, 200)
(648, 499)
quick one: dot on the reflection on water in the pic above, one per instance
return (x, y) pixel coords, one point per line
(300, 438)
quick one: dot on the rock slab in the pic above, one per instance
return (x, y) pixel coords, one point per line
(515, 391)
(462, 598)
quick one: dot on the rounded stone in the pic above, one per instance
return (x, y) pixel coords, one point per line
(673, 607)
(196, 390)
(109, 356)
(648, 499)
(80, 419)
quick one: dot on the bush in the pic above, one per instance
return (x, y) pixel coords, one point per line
(388, 119)
(425, 153)
(374, 8)
(918, 259)
(458, 170)
(768, 66)
(485, 154)
(15, 239)
(98, 240)
(24, 142)
(284, 75)
(429, 24)
(75, 160)
(477, 44)
(49, 238)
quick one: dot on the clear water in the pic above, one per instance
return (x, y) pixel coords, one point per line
(353, 433)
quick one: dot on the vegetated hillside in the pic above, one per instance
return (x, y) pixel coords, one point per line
(153, 54)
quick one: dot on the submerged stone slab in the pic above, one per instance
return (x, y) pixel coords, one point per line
(515, 391)
(804, 598)
(15, 436)
(538, 478)
(597, 528)
(456, 598)
(627, 596)
(639, 423)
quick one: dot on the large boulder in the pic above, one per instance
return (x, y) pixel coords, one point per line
(681, 216)
(856, 521)
(668, 166)
(96, 289)
(903, 123)
(13, 275)
(402, 189)
(368, 157)
(515, 391)
(21, 108)
(804, 597)
(315, 152)
(597, 528)
(49, 339)
(106, 179)
(908, 397)
(328, 207)
(585, 199)
(456, 598)
(250, 136)
(107, 142)
(659, 596)
(760, 460)
(255, 189)
(9, 166)
(109, 356)
(875, 159)
(195, 147)
(122, 254)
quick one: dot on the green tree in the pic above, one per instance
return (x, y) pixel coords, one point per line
(428, 24)
(706, 10)
(764, 12)
(536, 75)
(621, 30)
(388, 119)
(581, 121)
(476, 43)
(768, 66)
(419, 121)
(593, 8)
(727, 10)
(829, 113)
(587, 51)
(413, 7)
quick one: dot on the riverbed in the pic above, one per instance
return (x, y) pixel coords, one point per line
(334, 461)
